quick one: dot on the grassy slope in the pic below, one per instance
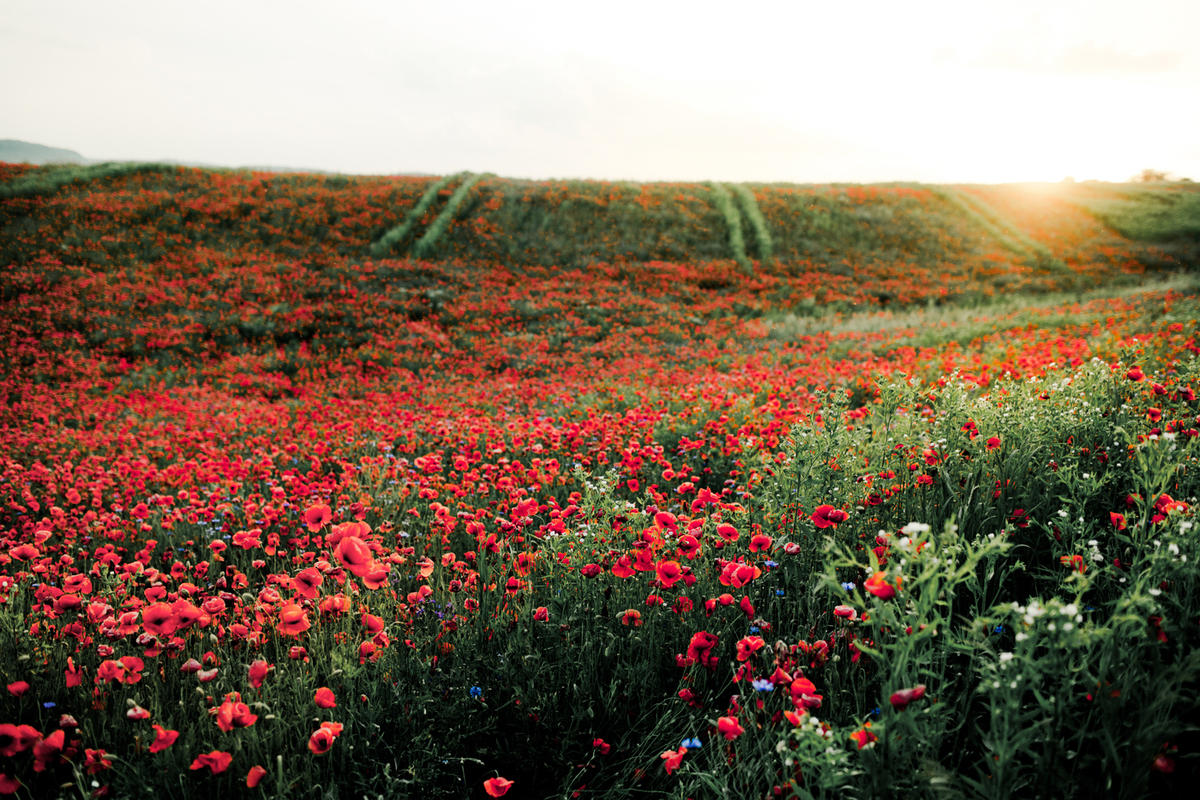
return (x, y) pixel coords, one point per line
(233, 264)
(568, 223)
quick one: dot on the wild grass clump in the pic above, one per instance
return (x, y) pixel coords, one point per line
(758, 224)
(45, 182)
(394, 237)
(429, 239)
(733, 223)
(1150, 215)
(999, 227)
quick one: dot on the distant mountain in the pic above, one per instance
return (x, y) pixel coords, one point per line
(14, 151)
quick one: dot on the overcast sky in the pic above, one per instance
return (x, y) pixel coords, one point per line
(792, 91)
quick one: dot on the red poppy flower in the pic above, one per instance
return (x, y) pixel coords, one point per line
(668, 573)
(17, 738)
(825, 516)
(877, 585)
(307, 582)
(324, 698)
(497, 787)
(689, 546)
(631, 617)
(701, 646)
(18, 688)
(760, 543)
(24, 552)
(321, 741)
(292, 620)
(317, 516)
(541, 614)
(729, 727)
(255, 775)
(233, 713)
(748, 646)
(8, 784)
(804, 693)
(163, 738)
(354, 553)
(159, 619)
(1076, 562)
(863, 738)
(902, 698)
(216, 761)
(47, 750)
(727, 532)
(672, 759)
(993, 443)
(623, 568)
(96, 761)
(258, 673)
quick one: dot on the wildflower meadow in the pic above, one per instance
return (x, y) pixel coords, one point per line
(316, 486)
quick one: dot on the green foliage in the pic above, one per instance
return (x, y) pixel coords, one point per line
(1002, 229)
(426, 243)
(733, 223)
(1169, 214)
(44, 182)
(397, 235)
(758, 224)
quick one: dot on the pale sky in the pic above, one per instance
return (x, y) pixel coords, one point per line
(959, 91)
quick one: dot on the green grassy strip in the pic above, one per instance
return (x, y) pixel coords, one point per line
(1148, 215)
(41, 183)
(426, 243)
(733, 220)
(394, 236)
(1032, 245)
(1001, 229)
(751, 211)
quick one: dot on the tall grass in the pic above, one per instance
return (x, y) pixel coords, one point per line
(758, 224)
(1148, 215)
(733, 223)
(397, 235)
(426, 243)
(40, 183)
(1003, 230)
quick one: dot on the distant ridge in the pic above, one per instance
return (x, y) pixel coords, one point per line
(15, 151)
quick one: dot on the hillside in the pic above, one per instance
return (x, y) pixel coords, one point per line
(318, 486)
(17, 151)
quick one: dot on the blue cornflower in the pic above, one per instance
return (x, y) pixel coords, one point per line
(690, 744)
(849, 586)
(476, 692)
(49, 704)
(753, 629)
(779, 593)
(770, 564)
(762, 685)
(998, 629)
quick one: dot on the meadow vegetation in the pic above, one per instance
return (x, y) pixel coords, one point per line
(318, 486)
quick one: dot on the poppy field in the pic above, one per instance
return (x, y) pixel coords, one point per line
(327, 487)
